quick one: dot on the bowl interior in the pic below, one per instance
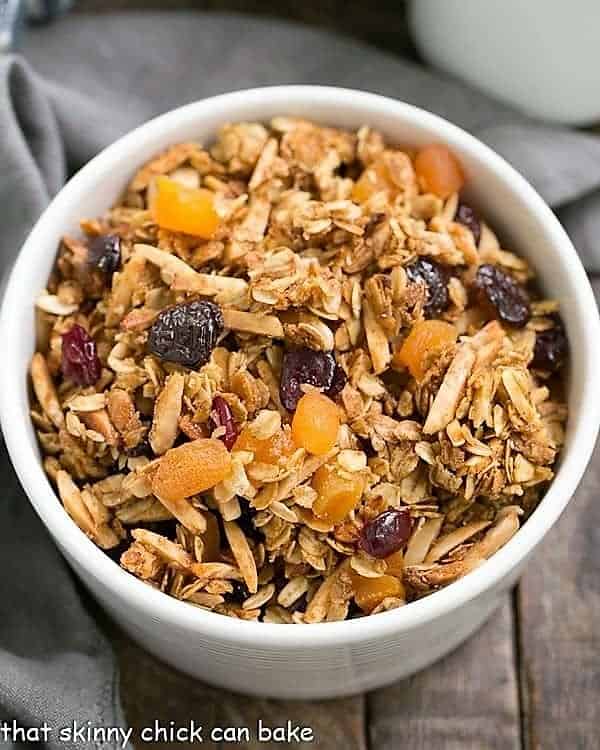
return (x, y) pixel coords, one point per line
(507, 202)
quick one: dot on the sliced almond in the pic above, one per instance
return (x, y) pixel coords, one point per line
(45, 391)
(167, 409)
(256, 323)
(243, 554)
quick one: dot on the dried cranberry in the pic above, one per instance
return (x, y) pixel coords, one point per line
(305, 366)
(469, 219)
(337, 382)
(186, 333)
(104, 252)
(386, 533)
(80, 360)
(435, 277)
(550, 348)
(499, 292)
(221, 416)
(240, 592)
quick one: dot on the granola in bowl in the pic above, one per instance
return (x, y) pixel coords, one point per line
(294, 378)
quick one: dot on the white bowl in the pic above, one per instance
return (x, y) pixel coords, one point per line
(329, 659)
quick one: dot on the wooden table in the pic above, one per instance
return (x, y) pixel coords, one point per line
(528, 680)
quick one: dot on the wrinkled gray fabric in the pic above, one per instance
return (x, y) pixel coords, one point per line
(76, 87)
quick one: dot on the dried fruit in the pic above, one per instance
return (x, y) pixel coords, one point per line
(186, 333)
(80, 360)
(338, 493)
(221, 416)
(375, 179)
(435, 277)
(307, 367)
(386, 533)
(316, 423)
(550, 349)
(466, 216)
(370, 592)
(499, 293)
(439, 171)
(240, 592)
(426, 337)
(395, 563)
(184, 209)
(191, 468)
(268, 450)
(104, 252)
(337, 382)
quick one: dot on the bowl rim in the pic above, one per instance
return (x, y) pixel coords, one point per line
(162, 608)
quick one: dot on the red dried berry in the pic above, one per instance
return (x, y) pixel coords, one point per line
(466, 216)
(80, 361)
(498, 292)
(104, 252)
(338, 382)
(386, 533)
(186, 334)
(551, 347)
(239, 593)
(221, 416)
(435, 277)
(310, 367)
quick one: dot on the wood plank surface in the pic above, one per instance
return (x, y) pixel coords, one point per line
(468, 701)
(153, 691)
(559, 608)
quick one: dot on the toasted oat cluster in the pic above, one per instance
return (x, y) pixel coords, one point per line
(292, 377)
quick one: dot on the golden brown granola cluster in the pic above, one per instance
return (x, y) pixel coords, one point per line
(283, 265)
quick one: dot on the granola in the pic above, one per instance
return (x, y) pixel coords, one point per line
(293, 378)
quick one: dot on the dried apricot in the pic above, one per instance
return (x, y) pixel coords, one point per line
(438, 170)
(425, 337)
(338, 493)
(316, 423)
(191, 468)
(370, 592)
(268, 450)
(395, 563)
(184, 209)
(375, 179)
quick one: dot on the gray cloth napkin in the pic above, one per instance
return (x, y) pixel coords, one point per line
(76, 87)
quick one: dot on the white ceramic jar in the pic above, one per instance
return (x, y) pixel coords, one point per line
(543, 56)
(327, 659)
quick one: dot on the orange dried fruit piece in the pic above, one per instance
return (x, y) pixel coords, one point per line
(268, 450)
(438, 170)
(425, 337)
(191, 468)
(184, 209)
(395, 563)
(370, 592)
(375, 179)
(211, 540)
(316, 423)
(338, 493)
